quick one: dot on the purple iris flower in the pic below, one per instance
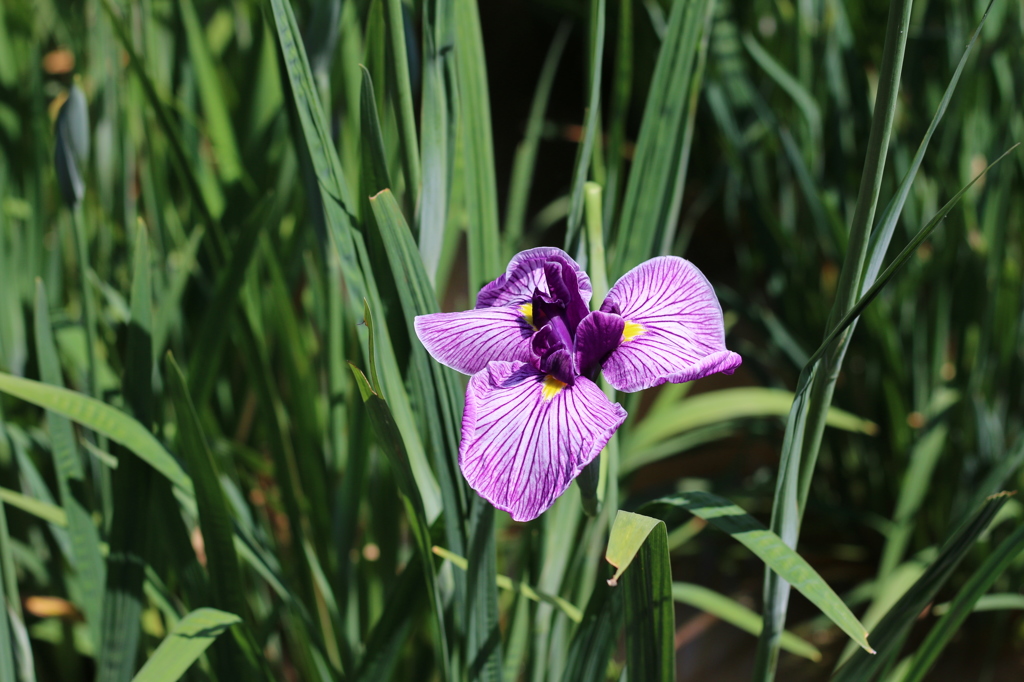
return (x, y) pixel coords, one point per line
(534, 417)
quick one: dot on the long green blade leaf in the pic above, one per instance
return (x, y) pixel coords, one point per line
(640, 544)
(185, 644)
(769, 547)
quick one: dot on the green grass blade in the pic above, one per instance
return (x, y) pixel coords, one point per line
(790, 85)
(438, 124)
(735, 613)
(892, 630)
(215, 520)
(525, 162)
(101, 418)
(394, 447)
(390, 634)
(591, 123)
(339, 211)
(658, 163)
(594, 640)
(640, 543)
(714, 407)
(882, 234)
(7, 661)
(71, 485)
(807, 417)
(475, 121)
(507, 583)
(769, 547)
(211, 94)
(185, 644)
(850, 317)
(50, 513)
(171, 131)
(132, 481)
(940, 635)
(374, 158)
(406, 118)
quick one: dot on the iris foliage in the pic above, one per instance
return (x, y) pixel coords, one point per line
(225, 454)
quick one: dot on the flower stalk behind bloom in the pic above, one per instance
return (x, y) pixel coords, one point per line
(534, 418)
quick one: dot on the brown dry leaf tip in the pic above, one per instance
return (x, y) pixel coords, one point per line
(916, 420)
(198, 546)
(51, 607)
(59, 62)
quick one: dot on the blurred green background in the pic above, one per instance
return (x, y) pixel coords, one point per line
(199, 172)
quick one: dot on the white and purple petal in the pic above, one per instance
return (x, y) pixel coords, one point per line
(467, 341)
(673, 327)
(525, 274)
(526, 436)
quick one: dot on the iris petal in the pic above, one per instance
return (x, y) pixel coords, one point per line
(525, 273)
(525, 437)
(467, 341)
(673, 327)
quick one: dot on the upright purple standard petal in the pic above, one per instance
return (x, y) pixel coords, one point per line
(526, 435)
(525, 274)
(467, 341)
(673, 326)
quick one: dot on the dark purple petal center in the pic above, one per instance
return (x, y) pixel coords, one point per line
(560, 317)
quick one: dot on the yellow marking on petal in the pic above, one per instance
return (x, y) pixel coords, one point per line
(551, 387)
(527, 310)
(632, 330)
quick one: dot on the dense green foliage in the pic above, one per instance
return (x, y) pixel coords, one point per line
(221, 442)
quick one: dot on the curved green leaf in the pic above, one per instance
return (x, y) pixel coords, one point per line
(185, 644)
(769, 547)
(101, 418)
(735, 613)
(641, 542)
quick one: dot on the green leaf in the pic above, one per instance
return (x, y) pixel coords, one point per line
(591, 123)
(215, 520)
(640, 543)
(525, 162)
(735, 613)
(339, 210)
(807, 417)
(71, 485)
(507, 583)
(211, 94)
(439, 129)
(185, 644)
(475, 120)
(50, 513)
(777, 556)
(594, 640)
(101, 418)
(391, 442)
(6, 641)
(659, 163)
(980, 581)
(727, 404)
(892, 630)
(132, 489)
(375, 165)
(399, 63)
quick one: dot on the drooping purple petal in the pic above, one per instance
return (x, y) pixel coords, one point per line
(597, 336)
(524, 274)
(467, 341)
(673, 327)
(526, 436)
